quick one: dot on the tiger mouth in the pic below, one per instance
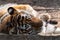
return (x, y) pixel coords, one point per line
(25, 28)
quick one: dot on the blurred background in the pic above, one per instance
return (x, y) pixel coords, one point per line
(45, 3)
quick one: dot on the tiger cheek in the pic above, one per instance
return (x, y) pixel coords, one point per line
(36, 23)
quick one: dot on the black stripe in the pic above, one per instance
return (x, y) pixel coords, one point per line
(3, 17)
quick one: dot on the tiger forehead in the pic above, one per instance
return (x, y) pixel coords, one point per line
(21, 7)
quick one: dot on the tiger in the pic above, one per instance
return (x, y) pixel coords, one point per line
(23, 19)
(18, 18)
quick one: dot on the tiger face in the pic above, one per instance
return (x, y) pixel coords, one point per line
(20, 20)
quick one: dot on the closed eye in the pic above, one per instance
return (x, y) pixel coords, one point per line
(19, 17)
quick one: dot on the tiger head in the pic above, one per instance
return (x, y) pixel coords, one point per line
(22, 20)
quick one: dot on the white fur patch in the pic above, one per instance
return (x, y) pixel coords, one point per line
(49, 29)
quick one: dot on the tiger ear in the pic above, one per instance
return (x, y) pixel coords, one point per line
(53, 22)
(11, 10)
